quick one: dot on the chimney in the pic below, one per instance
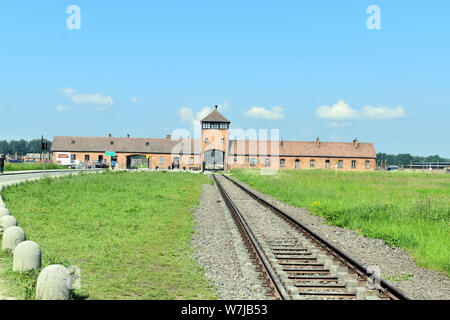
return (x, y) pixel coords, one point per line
(109, 135)
(356, 143)
(128, 135)
(318, 142)
(168, 136)
(216, 106)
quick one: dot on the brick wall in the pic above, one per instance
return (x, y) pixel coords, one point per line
(304, 163)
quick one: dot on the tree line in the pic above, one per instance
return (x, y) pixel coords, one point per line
(406, 159)
(22, 147)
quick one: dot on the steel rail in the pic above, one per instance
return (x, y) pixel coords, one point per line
(278, 286)
(387, 288)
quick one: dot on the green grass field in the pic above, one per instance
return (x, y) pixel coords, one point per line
(409, 210)
(128, 232)
(19, 166)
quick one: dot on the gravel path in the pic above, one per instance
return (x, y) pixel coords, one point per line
(422, 284)
(221, 252)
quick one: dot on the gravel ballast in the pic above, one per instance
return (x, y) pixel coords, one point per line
(393, 262)
(219, 249)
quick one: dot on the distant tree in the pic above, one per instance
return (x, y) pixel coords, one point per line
(405, 159)
(22, 147)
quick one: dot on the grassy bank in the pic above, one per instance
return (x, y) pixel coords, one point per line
(128, 232)
(19, 166)
(409, 210)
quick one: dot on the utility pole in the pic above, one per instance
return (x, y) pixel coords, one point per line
(43, 148)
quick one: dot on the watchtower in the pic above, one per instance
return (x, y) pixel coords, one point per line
(215, 141)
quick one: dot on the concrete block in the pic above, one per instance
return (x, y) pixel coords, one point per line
(6, 222)
(27, 256)
(4, 212)
(12, 236)
(54, 283)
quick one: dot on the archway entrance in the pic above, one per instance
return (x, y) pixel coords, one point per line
(214, 160)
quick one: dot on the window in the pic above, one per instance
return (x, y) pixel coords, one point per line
(147, 143)
(214, 125)
(73, 157)
(353, 164)
(191, 160)
(111, 143)
(73, 141)
(206, 140)
(206, 125)
(161, 160)
(224, 126)
(341, 163)
(312, 163)
(252, 162)
(327, 164)
(297, 163)
(222, 140)
(367, 164)
(86, 158)
(282, 163)
(267, 162)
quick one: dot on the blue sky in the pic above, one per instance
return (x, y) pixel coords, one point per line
(309, 68)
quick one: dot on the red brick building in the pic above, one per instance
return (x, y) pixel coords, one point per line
(215, 151)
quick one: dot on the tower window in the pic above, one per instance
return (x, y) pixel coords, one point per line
(206, 140)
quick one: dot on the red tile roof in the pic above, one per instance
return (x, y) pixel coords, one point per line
(303, 148)
(129, 145)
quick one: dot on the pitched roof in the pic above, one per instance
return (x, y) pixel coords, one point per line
(215, 116)
(130, 145)
(303, 148)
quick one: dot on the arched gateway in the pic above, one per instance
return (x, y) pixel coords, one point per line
(214, 160)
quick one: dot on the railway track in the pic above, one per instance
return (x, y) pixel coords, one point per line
(294, 262)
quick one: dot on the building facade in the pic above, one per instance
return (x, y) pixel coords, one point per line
(215, 151)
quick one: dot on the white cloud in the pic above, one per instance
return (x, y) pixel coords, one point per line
(342, 110)
(61, 108)
(87, 98)
(383, 112)
(262, 113)
(134, 100)
(187, 115)
(337, 124)
(338, 111)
